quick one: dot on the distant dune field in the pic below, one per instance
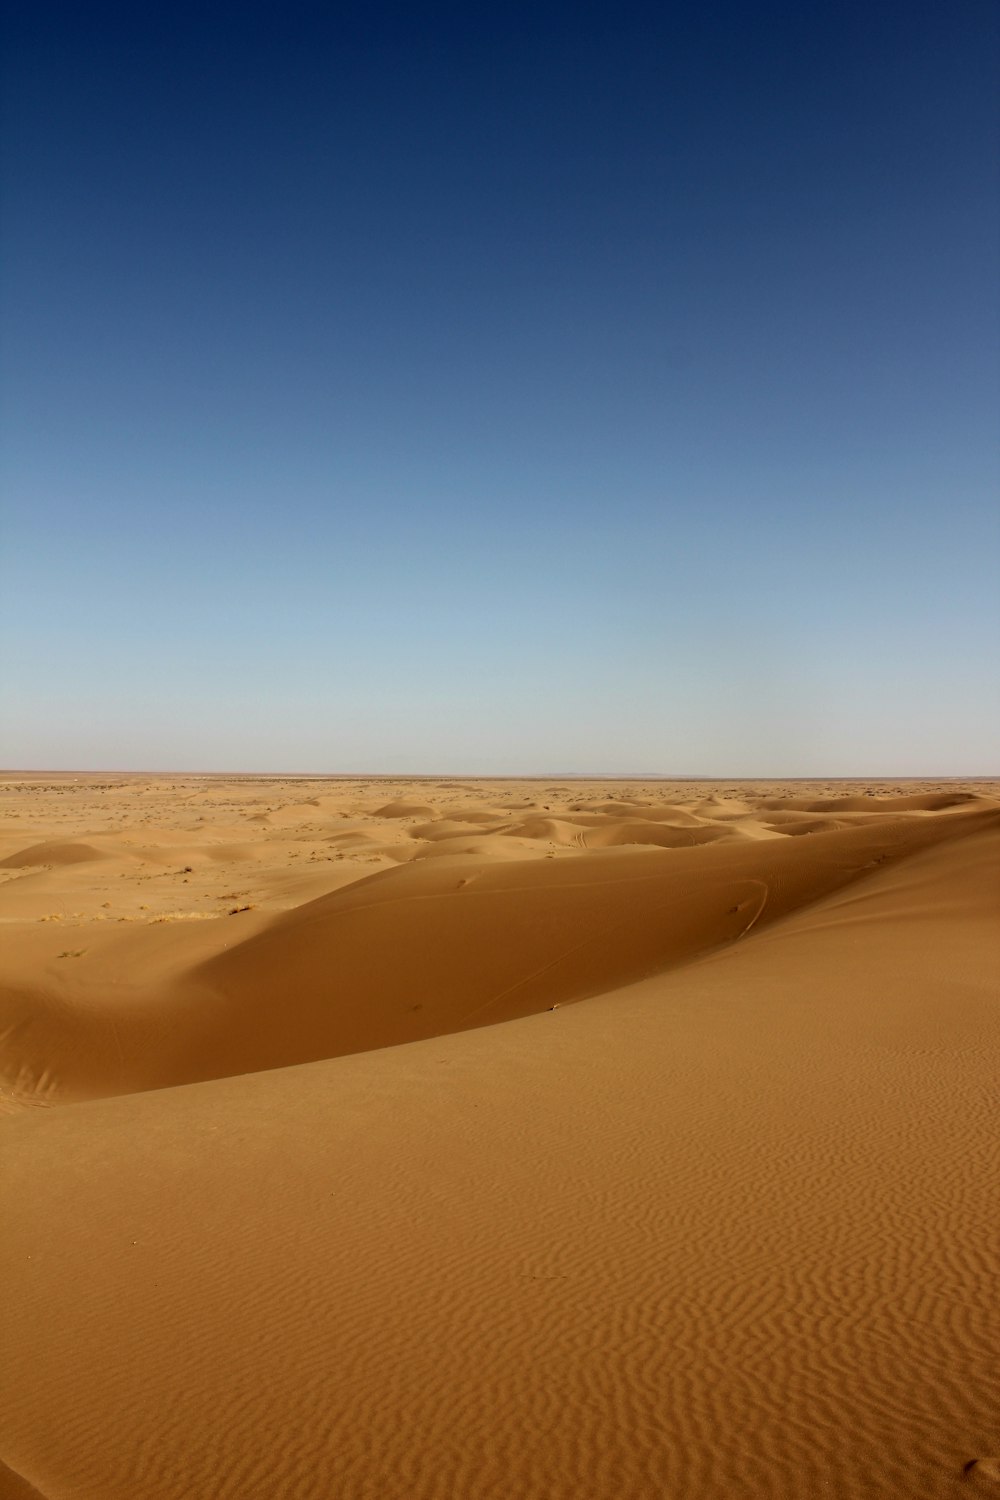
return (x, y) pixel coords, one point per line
(371, 1139)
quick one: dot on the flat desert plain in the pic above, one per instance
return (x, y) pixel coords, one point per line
(532, 1140)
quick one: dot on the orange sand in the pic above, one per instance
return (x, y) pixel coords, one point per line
(288, 1214)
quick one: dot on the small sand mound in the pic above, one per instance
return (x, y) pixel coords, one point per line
(446, 828)
(551, 830)
(677, 817)
(984, 1472)
(796, 825)
(472, 815)
(52, 854)
(484, 846)
(404, 810)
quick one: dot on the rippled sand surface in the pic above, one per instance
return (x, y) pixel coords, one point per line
(533, 1139)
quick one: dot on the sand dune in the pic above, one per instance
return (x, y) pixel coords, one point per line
(916, 802)
(421, 949)
(726, 1227)
(51, 854)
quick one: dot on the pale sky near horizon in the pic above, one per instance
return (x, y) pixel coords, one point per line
(535, 388)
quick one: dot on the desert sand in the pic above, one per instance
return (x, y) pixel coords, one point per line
(562, 1139)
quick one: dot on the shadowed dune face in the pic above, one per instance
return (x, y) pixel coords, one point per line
(14, 1487)
(711, 1213)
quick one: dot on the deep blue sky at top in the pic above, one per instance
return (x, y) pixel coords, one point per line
(501, 388)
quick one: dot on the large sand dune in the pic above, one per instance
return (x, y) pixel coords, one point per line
(288, 1214)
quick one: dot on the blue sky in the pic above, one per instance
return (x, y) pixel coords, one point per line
(528, 388)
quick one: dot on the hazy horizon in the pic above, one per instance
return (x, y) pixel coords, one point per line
(273, 774)
(475, 392)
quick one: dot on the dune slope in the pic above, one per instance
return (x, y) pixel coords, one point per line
(727, 1228)
(724, 1232)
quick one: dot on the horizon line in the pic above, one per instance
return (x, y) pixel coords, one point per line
(598, 775)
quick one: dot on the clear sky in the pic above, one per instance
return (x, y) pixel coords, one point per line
(508, 388)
